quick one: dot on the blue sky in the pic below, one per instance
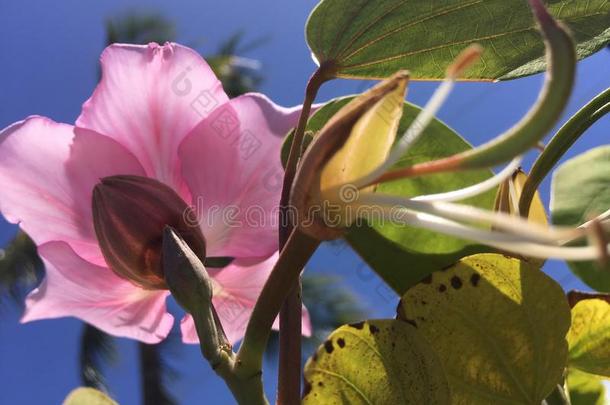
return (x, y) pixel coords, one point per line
(48, 67)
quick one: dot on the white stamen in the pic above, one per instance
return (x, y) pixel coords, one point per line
(475, 189)
(508, 243)
(604, 221)
(603, 218)
(514, 225)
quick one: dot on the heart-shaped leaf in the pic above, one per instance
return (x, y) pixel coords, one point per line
(585, 389)
(374, 39)
(382, 362)
(498, 325)
(88, 396)
(402, 255)
(581, 190)
(589, 337)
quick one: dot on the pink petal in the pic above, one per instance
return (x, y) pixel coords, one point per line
(149, 99)
(231, 163)
(238, 287)
(47, 174)
(75, 287)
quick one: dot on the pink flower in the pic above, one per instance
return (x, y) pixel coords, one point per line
(158, 112)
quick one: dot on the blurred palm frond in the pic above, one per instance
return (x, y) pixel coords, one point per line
(238, 74)
(20, 269)
(97, 350)
(139, 28)
(156, 373)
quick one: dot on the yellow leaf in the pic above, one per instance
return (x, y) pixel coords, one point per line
(498, 327)
(589, 337)
(88, 396)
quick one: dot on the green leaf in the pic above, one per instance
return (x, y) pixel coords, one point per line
(586, 389)
(373, 39)
(581, 190)
(388, 248)
(88, 396)
(375, 362)
(499, 326)
(589, 337)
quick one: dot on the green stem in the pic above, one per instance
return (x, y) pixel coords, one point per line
(316, 80)
(247, 389)
(560, 143)
(191, 286)
(289, 375)
(297, 251)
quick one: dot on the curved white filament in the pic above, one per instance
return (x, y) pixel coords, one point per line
(475, 189)
(508, 243)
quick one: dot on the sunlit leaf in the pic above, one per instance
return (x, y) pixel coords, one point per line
(381, 362)
(580, 191)
(373, 39)
(497, 324)
(88, 396)
(586, 389)
(589, 337)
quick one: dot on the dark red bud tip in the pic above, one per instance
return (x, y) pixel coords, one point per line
(130, 214)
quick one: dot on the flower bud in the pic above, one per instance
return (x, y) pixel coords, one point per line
(351, 144)
(129, 215)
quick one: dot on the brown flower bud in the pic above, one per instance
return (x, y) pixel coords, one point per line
(129, 215)
(342, 151)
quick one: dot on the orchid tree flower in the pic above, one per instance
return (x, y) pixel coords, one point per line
(158, 144)
(357, 149)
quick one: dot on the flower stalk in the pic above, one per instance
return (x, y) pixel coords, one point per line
(285, 274)
(289, 376)
(192, 287)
